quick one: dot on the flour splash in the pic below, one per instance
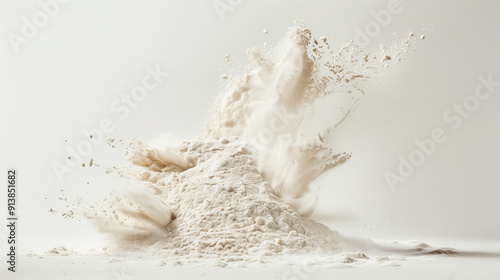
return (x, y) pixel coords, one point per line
(273, 107)
(242, 190)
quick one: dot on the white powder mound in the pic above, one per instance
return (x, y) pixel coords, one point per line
(220, 204)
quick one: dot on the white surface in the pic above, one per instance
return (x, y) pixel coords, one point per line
(442, 268)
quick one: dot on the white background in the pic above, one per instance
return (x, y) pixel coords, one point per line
(91, 52)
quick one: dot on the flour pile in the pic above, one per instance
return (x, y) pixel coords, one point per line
(242, 190)
(210, 201)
